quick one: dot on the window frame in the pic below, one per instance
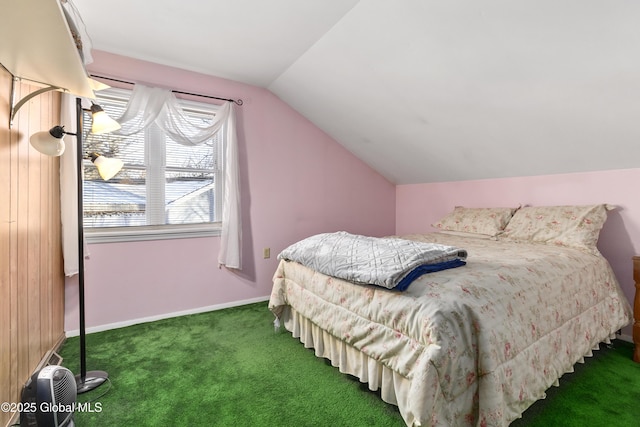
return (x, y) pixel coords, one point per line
(163, 231)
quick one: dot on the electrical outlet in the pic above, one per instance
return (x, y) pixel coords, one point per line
(266, 253)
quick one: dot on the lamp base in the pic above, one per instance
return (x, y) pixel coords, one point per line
(92, 380)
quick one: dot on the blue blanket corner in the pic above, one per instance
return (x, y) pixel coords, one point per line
(424, 269)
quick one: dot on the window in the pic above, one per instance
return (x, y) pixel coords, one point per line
(165, 189)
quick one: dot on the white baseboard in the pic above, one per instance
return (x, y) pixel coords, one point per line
(116, 325)
(627, 338)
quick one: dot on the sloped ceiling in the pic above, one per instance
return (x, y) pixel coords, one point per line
(422, 90)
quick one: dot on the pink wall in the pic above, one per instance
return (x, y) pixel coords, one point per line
(418, 206)
(295, 181)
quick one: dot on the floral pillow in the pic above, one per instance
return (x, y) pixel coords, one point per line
(480, 221)
(572, 226)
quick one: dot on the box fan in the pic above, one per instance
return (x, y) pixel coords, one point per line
(49, 398)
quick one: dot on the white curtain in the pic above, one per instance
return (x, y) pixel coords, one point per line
(68, 187)
(160, 106)
(148, 105)
(230, 238)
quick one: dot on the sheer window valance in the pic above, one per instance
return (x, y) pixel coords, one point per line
(160, 106)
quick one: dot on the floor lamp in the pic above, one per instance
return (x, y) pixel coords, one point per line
(85, 381)
(50, 143)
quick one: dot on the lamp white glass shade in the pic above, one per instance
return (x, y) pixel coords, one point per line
(107, 167)
(48, 143)
(101, 122)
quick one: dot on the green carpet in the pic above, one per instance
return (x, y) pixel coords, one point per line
(604, 391)
(229, 368)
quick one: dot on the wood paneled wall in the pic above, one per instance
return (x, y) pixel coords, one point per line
(31, 272)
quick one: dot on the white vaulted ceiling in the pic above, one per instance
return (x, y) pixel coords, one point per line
(422, 90)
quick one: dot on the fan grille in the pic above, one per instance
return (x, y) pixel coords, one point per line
(64, 391)
(64, 387)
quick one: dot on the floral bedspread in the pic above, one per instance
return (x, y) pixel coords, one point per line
(480, 343)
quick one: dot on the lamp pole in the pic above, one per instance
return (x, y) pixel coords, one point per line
(85, 381)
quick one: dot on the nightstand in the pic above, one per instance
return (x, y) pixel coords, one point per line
(636, 309)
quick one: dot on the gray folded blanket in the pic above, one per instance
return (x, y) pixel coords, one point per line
(390, 262)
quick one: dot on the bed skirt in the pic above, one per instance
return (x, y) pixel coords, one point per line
(394, 388)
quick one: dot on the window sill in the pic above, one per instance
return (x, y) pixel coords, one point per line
(164, 232)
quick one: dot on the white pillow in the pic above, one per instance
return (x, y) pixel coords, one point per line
(485, 221)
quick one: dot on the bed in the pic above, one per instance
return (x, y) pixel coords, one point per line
(473, 345)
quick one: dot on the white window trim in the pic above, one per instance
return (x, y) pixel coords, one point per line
(151, 232)
(95, 235)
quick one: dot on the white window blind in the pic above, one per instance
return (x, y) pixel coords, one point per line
(163, 185)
